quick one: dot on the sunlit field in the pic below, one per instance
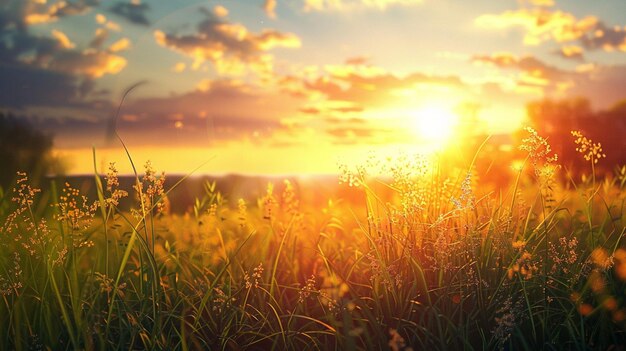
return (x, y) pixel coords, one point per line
(419, 254)
(313, 175)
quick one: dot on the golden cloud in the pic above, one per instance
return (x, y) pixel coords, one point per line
(231, 47)
(39, 12)
(63, 40)
(220, 11)
(120, 45)
(571, 52)
(542, 24)
(363, 86)
(535, 76)
(269, 6)
(90, 63)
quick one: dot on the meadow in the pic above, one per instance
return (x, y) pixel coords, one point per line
(422, 255)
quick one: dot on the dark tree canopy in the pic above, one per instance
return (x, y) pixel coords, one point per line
(22, 148)
(556, 119)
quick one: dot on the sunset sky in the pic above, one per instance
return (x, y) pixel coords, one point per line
(294, 86)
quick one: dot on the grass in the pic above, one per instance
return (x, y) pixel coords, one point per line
(429, 260)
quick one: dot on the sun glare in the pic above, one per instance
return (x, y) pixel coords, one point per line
(434, 124)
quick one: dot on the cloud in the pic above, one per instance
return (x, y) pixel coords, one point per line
(63, 40)
(220, 11)
(37, 12)
(602, 84)
(55, 52)
(60, 55)
(269, 6)
(571, 52)
(120, 45)
(534, 71)
(215, 111)
(107, 23)
(605, 38)
(231, 47)
(24, 85)
(370, 85)
(132, 12)
(542, 24)
(349, 5)
(50, 77)
(92, 64)
(227, 110)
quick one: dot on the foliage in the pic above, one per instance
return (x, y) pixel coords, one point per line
(23, 148)
(431, 260)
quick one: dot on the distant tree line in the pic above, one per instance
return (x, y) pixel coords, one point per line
(23, 148)
(556, 119)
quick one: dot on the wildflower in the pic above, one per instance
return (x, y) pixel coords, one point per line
(221, 300)
(11, 284)
(307, 290)
(508, 317)
(24, 198)
(591, 151)
(242, 211)
(60, 257)
(268, 202)
(290, 201)
(544, 163)
(519, 244)
(150, 191)
(524, 265)
(257, 275)
(538, 148)
(22, 220)
(466, 199)
(601, 258)
(352, 178)
(74, 208)
(107, 284)
(113, 183)
(564, 256)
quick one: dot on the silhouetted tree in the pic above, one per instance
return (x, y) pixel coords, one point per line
(556, 119)
(22, 148)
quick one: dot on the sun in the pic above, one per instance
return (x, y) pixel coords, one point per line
(434, 124)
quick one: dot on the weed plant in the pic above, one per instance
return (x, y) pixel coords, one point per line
(430, 261)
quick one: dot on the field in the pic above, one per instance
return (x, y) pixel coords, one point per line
(411, 253)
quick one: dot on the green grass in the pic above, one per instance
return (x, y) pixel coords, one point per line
(430, 260)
